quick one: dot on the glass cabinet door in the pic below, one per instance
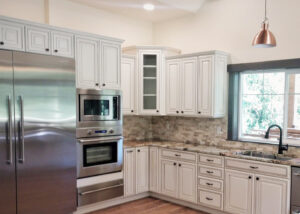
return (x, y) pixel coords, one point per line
(150, 81)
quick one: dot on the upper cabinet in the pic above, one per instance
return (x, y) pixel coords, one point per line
(151, 77)
(196, 84)
(62, 44)
(128, 85)
(11, 36)
(38, 40)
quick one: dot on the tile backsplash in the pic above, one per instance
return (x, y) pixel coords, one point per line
(204, 131)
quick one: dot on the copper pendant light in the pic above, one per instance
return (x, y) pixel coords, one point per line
(265, 38)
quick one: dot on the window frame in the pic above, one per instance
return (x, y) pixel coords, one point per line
(287, 72)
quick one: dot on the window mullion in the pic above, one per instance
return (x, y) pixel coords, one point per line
(285, 107)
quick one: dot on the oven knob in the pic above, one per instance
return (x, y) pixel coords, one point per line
(89, 132)
(111, 131)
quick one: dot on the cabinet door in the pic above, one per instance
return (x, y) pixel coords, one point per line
(153, 183)
(129, 171)
(271, 195)
(187, 178)
(110, 65)
(142, 169)
(205, 76)
(189, 86)
(11, 36)
(62, 44)
(38, 40)
(87, 63)
(173, 90)
(149, 85)
(128, 85)
(238, 192)
(169, 185)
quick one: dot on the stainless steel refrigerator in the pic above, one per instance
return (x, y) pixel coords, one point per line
(37, 134)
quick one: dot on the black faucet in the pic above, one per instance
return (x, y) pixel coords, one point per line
(281, 147)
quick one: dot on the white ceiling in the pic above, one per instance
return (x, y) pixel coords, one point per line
(164, 9)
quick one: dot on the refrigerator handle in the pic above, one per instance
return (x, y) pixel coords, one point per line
(10, 146)
(21, 132)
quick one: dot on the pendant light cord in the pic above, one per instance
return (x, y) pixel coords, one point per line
(266, 19)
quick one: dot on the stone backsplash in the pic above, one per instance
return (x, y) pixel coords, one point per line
(203, 131)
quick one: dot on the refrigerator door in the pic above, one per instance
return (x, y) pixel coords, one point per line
(45, 128)
(7, 141)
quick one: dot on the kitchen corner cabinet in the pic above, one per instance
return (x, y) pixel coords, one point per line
(136, 170)
(128, 85)
(181, 86)
(12, 36)
(151, 77)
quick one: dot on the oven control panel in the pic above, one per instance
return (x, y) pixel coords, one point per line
(98, 131)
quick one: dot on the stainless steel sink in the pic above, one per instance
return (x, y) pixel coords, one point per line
(265, 155)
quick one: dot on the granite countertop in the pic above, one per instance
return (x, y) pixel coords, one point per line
(212, 150)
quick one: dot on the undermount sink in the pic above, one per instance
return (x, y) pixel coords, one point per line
(265, 155)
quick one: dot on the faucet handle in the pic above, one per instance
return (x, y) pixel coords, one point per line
(285, 147)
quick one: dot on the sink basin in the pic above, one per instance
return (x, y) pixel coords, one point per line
(265, 155)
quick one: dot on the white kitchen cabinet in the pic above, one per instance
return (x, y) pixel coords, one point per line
(128, 85)
(153, 169)
(169, 179)
(38, 40)
(271, 195)
(87, 72)
(187, 179)
(110, 65)
(142, 169)
(212, 85)
(238, 192)
(129, 172)
(12, 36)
(62, 44)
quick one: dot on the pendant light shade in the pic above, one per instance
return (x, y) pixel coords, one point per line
(265, 38)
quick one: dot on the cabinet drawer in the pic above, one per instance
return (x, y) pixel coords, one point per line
(210, 172)
(211, 199)
(211, 160)
(183, 156)
(258, 167)
(211, 184)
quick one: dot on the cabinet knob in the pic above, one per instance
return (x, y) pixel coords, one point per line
(199, 112)
(177, 112)
(182, 112)
(55, 50)
(250, 177)
(139, 150)
(174, 164)
(1, 43)
(103, 84)
(179, 164)
(257, 178)
(157, 111)
(47, 49)
(97, 84)
(132, 111)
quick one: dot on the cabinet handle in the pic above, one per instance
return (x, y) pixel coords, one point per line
(182, 112)
(209, 199)
(177, 112)
(209, 184)
(177, 155)
(210, 160)
(257, 178)
(254, 167)
(179, 164)
(209, 172)
(1, 43)
(199, 112)
(174, 164)
(47, 49)
(97, 84)
(157, 111)
(139, 150)
(55, 50)
(129, 151)
(132, 111)
(103, 84)
(250, 177)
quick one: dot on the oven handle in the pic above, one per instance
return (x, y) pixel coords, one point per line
(98, 190)
(100, 139)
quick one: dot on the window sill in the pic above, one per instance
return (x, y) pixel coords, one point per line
(292, 143)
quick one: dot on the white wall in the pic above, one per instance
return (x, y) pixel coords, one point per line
(230, 25)
(76, 16)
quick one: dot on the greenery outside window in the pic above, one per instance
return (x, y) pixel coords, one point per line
(269, 97)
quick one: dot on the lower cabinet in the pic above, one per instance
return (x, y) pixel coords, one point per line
(153, 169)
(136, 170)
(247, 193)
(178, 180)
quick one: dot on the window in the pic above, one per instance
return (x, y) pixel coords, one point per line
(266, 98)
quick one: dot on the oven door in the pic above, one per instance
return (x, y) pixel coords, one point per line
(99, 108)
(98, 156)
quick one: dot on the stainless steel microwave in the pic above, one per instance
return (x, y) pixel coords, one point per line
(99, 105)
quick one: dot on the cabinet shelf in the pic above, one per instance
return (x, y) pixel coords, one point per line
(149, 66)
(149, 95)
(149, 78)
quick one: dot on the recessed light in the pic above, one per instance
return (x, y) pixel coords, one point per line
(149, 7)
